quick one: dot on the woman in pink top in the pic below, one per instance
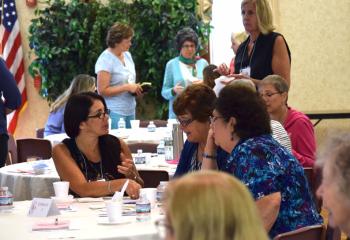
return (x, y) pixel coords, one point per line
(274, 90)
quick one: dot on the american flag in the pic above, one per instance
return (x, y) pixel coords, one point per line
(11, 49)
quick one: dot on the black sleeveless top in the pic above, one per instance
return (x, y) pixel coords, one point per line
(261, 56)
(110, 150)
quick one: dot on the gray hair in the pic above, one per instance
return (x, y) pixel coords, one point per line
(337, 150)
(245, 82)
(277, 81)
(186, 34)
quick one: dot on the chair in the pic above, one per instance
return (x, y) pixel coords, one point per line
(313, 177)
(12, 151)
(146, 147)
(39, 132)
(333, 233)
(33, 147)
(315, 232)
(152, 178)
(157, 122)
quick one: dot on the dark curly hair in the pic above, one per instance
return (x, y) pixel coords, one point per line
(77, 111)
(209, 75)
(186, 34)
(117, 33)
(249, 110)
(197, 99)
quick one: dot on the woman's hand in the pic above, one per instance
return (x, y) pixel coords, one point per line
(223, 69)
(127, 168)
(135, 88)
(133, 189)
(178, 89)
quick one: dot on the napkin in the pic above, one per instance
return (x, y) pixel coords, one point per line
(50, 225)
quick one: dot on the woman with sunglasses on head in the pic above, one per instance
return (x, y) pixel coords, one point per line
(193, 108)
(93, 162)
(274, 90)
(183, 70)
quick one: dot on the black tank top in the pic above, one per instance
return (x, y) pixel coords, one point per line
(110, 158)
(261, 56)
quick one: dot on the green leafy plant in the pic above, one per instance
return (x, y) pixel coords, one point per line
(68, 37)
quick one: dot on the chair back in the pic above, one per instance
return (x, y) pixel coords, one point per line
(33, 147)
(146, 147)
(313, 177)
(152, 178)
(157, 122)
(39, 132)
(315, 232)
(12, 151)
(333, 233)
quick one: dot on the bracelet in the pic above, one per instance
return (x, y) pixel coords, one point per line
(206, 155)
(109, 187)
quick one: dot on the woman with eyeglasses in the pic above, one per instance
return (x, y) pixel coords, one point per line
(210, 205)
(193, 108)
(93, 162)
(183, 70)
(274, 90)
(241, 127)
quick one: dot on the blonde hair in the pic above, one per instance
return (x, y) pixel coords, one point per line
(208, 205)
(239, 37)
(80, 83)
(264, 15)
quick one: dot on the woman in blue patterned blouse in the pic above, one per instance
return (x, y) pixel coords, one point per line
(241, 126)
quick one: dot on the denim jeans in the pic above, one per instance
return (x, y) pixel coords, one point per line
(115, 119)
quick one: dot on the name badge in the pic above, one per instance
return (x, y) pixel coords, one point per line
(245, 71)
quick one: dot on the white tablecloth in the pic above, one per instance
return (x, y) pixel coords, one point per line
(17, 225)
(25, 185)
(128, 135)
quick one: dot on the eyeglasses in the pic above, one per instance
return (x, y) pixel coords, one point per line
(100, 115)
(213, 119)
(185, 122)
(164, 228)
(268, 94)
(188, 46)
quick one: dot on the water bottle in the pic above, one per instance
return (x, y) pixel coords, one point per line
(140, 158)
(121, 123)
(151, 127)
(161, 189)
(161, 150)
(6, 198)
(143, 208)
(168, 146)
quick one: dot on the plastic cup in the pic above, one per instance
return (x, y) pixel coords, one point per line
(61, 189)
(135, 124)
(151, 194)
(114, 210)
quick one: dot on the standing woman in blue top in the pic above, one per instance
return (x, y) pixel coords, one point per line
(116, 75)
(265, 52)
(10, 99)
(184, 69)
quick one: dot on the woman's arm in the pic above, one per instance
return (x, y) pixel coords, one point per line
(104, 88)
(269, 207)
(168, 82)
(69, 171)
(209, 162)
(128, 167)
(280, 59)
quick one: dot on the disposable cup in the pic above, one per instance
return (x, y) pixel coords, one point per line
(61, 189)
(114, 210)
(151, 194)
(135, 124)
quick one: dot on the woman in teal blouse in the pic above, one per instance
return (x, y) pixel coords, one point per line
(183, 70)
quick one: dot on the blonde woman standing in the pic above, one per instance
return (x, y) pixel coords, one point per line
(200, 206)
(80, 83)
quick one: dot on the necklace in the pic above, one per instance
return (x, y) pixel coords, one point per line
(251, 55)
(85, 166)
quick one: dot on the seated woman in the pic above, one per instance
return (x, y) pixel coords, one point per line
(241, 126)
(193, 107)
(80, 83)
(190, 212)
(274, 90)
(335, 187)
(93, 162)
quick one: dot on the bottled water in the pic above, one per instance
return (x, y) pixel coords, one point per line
(168, 146)
(6, 198)
(151, 127)
(161, 150)
(161, 189)
(140, 158)
(121, 123)
(143, 208)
